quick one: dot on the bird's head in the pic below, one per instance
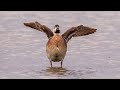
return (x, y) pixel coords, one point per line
(56, 29)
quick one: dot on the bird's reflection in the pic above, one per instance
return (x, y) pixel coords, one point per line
(56, 70)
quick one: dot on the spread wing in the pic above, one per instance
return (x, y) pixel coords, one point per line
(40, 27)
(78, 31)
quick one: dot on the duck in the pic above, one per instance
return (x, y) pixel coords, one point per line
(56, 46)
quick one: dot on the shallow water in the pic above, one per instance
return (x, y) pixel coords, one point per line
(23, 50)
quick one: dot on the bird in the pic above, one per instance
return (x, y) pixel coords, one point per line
(56, 46)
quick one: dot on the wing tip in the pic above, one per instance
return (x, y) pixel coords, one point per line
(26, 24)
(95, 30)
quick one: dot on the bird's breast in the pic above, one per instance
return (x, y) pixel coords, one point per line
(57, 41)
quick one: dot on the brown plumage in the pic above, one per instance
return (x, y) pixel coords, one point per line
(56, 46)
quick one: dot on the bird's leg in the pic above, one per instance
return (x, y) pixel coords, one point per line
(61, 63)
(51, 63)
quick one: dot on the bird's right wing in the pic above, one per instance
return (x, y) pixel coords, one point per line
(40, 27)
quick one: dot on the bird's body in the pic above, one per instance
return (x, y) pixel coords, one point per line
(56, 46)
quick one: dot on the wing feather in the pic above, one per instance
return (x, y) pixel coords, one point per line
(40, 27)
(78, 31)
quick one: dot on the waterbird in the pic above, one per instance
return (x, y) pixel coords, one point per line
(56, 46)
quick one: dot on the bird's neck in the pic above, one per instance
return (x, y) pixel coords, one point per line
(56, 33)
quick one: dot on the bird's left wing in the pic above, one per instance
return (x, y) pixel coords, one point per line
(78, 31)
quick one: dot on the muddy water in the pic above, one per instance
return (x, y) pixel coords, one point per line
(23, 50)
